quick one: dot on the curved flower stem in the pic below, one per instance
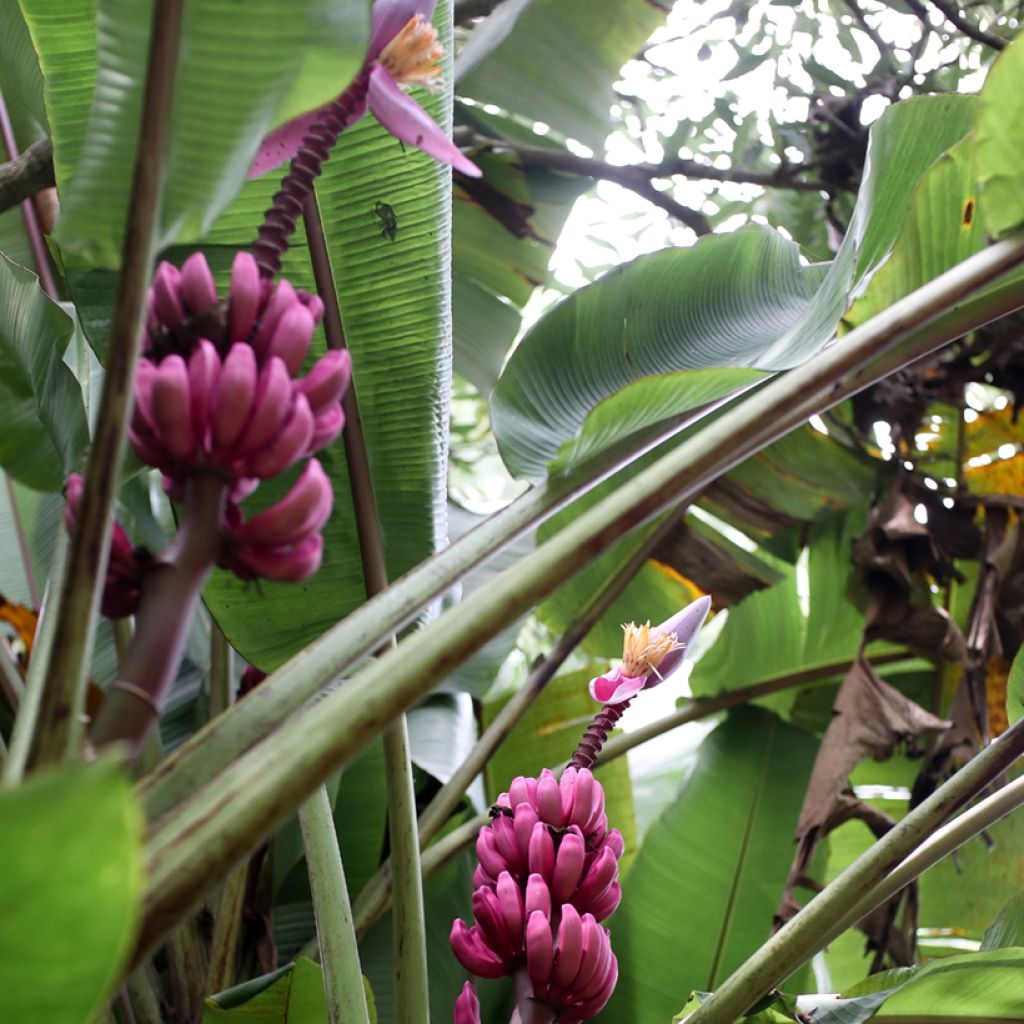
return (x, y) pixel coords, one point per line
(296, 190)
(343, 979)
(811, 928)
(60, 722)
(409, 924)
(169, 596)
(702, 707)
(219, 821)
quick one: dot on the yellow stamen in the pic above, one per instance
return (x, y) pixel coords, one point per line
(413, 56)
(644, 649)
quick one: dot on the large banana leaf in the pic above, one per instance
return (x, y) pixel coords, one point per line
(741, 301)
(44, 427)
(559, 62)
(236, 79)
(701, 893)
(1000, 147)
(21, 82)
(70, 888)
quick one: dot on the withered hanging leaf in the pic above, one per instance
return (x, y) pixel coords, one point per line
(871, 719)
(509, 212)
(897, 558)
(22, 619)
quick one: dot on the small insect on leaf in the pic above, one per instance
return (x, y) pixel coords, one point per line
(968, 218)
(387, 222)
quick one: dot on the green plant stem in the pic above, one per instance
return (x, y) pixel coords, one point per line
(222, 968)
(376, 893)
(28, 710)
(60, 730)
(186, 960)
(940, 844)
(170, 594)
(143, 987)
(222, 677)
(702, 707)
(808, 931)
(339, 952)
(409, 925)
(220, 820)
(212, 748)
(11, 684)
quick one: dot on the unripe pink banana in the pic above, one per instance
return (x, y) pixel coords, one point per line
(198, 288)
(473, 953)
(510, 905)
(523, 821)
(245, 296)
(568, 866)
(539, 951)
(570, 949)
(541, 857)
(284, 565)
(304, 509)
(549, 799)
(142, 391)
(167, 295)
(283, 299)
(487, 852)
(326, 427)
(236, 390)
(171, 407)
(203, 373)
(146, 446)
(538, 896)
(488, 917)
(270, 408)
(467, 1006)
(288, 446)
(522, 791)
(606, 904)
(327, 380)
(604, 869)
(505, 838)
(292, 335)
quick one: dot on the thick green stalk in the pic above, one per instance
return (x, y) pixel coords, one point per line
(222, 969)
(212, 749)
(60, 730)
(810, 929)
(222, 676)
(339, 952)
(28, 710)
(214, 826)
(409, 926)
(143, 988)
(940, 844)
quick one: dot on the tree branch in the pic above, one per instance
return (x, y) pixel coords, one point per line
(979, 35)
(27, 174)
(639, 178)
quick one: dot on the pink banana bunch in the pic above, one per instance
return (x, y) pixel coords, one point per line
(282, 542)
(217, 392)
(122, 586)
(548, 873)
(233, 403)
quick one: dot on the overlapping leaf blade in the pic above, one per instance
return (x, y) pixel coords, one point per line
(227, 97)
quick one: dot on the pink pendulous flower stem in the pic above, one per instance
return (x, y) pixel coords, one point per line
(280, 220)
(164, 617)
